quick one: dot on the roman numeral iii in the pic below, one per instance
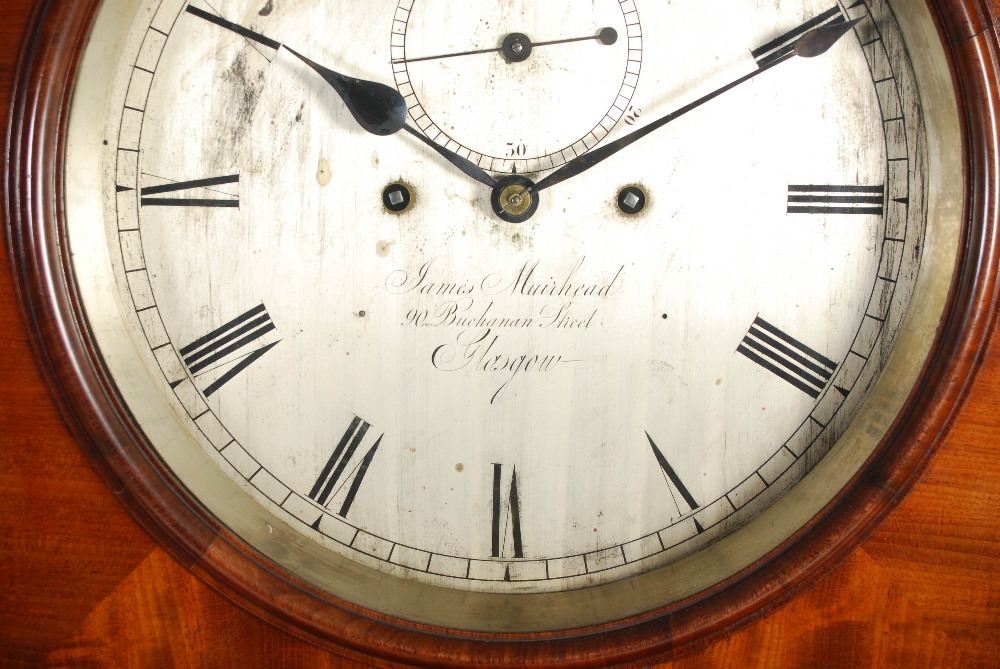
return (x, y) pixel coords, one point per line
(326, 484)
(810, 199)
(240, 336)
(787, 358)
(147, 200)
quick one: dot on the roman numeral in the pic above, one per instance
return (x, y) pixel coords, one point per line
(782, 45)
(810, 199)
(243, 332)
(326, 483)
(513, 512)
(228, 201)
(675, 480)
(787, 358)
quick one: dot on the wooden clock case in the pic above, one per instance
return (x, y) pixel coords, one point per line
(101, 423)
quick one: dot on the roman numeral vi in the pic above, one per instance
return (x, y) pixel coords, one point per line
(513, 512)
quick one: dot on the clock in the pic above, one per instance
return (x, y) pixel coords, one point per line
(641, 303)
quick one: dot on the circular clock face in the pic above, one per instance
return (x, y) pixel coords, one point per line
(379, 368)
(543, 109)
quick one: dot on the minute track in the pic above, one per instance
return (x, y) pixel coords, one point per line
(599, 559)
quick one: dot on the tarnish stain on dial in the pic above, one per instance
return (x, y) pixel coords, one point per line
(323, 174)
(690, 271)
(244, 94)
(383, 248)
(267, 9)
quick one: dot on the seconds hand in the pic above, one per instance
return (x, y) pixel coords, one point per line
(517, 46)
(377, 108)
(814, 43)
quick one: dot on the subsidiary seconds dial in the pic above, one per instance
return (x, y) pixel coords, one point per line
(518, 87)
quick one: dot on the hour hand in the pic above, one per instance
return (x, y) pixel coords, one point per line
(377, 108)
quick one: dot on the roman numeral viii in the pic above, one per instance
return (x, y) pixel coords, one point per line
(513, 513)
(787, 357)
(240, 336)
(326, 484)
(147, 200)
(808, 199)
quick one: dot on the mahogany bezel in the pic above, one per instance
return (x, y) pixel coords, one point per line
(67, 356)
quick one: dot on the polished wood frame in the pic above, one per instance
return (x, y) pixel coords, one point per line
(99, 420)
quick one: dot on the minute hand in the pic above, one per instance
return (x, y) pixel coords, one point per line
(813, 43)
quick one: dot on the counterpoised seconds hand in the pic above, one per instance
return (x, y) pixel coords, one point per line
(813, 43)
(377, 108)
(467, 166)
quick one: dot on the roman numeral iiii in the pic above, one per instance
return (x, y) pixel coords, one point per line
(787, 358)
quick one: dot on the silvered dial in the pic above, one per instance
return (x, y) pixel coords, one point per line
(669, 342)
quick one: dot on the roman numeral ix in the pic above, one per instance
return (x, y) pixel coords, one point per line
(809, 199)
(326, 484)
(147, 200)
(243, 332)
(787, 357)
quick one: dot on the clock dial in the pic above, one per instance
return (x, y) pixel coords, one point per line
(680, 325)
(544, 108)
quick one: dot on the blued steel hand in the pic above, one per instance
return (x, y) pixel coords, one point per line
(377, 108)
(814, 43)
(517, 46)
(467, 166)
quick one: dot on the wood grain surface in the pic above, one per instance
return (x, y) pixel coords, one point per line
(81, 584)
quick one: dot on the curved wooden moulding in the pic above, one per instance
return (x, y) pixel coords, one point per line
(33, 198)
